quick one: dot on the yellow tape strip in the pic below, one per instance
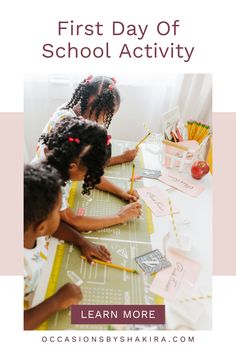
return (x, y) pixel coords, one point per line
(52, 283)
(159, 300)
(72, 194)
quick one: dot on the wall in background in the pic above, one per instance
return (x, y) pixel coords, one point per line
(144, 99)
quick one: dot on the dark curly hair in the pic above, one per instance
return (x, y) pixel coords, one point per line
(42, 184)
(79, 141)
(106, 97)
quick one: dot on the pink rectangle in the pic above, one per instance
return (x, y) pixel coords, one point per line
(224, 172)
(181, 275)
(182, 184)
(81, 212)
(156, 200)
(11, 181)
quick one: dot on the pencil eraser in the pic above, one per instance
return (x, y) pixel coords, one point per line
(136, 178)
(81, 212)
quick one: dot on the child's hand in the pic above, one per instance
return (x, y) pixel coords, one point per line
(69, 294)
(130, 211)
(130, 197)
(89, 250)
(129, 155)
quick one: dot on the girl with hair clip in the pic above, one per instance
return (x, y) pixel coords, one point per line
(79, 150)
(96, 99)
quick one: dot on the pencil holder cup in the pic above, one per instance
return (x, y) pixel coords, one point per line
(183, 154)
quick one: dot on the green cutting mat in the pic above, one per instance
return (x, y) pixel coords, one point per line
(104, 285)
(124, 170)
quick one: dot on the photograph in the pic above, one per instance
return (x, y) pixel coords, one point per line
(118, 201)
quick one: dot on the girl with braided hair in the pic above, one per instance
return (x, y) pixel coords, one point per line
(79, 150)
(96, 99)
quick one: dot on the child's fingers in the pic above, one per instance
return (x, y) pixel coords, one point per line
(137, 205)
(103, 256)
(134, 194)
(132, 198)
(105, 251)
(89, 259)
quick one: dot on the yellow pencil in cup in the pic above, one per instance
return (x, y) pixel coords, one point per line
(204, 134)
(204, 127)
(141, 141)
(193, 129)
(189, 124)
(198, 131)
(132, 179)
(173, 222)
(112, 265)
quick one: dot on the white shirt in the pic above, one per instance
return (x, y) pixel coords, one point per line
(34, 260)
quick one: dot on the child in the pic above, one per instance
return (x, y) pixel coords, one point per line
(42, 202)
(96, 99)
(79, 150)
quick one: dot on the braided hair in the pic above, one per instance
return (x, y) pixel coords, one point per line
(42, 185)
(106, 97)
(74, 140)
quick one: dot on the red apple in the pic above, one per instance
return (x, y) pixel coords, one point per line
(199, 169)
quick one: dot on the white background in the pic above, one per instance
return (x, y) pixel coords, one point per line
(209, 26)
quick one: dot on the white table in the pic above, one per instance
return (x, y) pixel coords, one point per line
(199, 212)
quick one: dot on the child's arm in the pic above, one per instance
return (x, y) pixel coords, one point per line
(89, 223)
(88, 249)
(128, 156)
(107, 186)
(68, 295)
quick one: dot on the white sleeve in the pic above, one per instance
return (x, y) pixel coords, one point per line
(65, 196)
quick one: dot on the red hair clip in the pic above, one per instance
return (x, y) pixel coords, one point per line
(71, 140)
(114, 80)
(108, 139)
(89, 78)
(110, 87)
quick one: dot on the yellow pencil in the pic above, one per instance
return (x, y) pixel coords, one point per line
(141, 141)
(112, 265)
(204, 133)
(196, 298)
(189, 124)
(132, 179)
(193, 129)
(173, 222)
(198, 131)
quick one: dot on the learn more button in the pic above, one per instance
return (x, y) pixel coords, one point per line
(118, 314)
